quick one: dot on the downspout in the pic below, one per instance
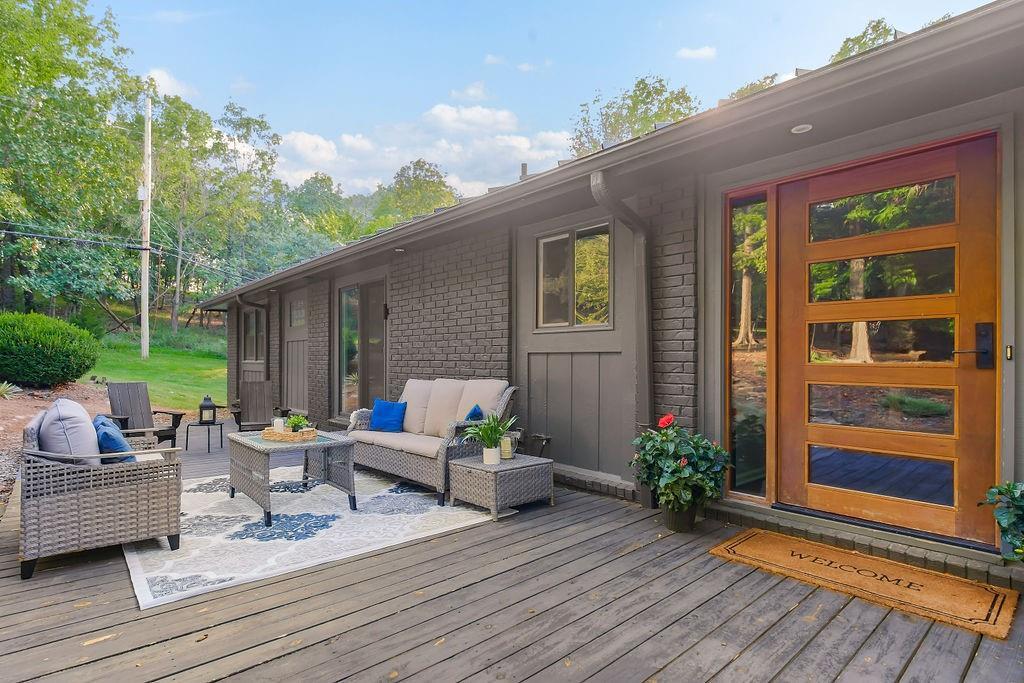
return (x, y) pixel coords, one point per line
(607, 199)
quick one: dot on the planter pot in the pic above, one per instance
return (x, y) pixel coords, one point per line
(648, 498)
(679, 520)
(492, 456)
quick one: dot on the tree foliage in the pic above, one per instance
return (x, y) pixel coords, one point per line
(629, 114)
(877, 32)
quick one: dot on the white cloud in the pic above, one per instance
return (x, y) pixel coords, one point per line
(467, 188)
(356, 143)
(294, 176)
(242, 85)
(493, 59)
(526, 67)
(475, 118)
(473, 92)
(167, 84)
(701, 53)
(309, 147)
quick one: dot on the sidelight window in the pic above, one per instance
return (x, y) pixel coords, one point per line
(253, 335)
(574, 283)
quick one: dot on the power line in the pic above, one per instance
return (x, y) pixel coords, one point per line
(76, 240)
(20, 102)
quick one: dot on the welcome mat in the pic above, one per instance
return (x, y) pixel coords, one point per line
(975, 606)
(225, 543)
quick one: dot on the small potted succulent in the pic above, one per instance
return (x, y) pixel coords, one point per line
(687, 470)
(488, 433)
(1008, 503)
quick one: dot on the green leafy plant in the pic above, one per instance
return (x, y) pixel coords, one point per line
(1008, 501)
(39, 351)
(688, 469)
(490, 430)
(8, 390)
(297, 422)
(914, 406)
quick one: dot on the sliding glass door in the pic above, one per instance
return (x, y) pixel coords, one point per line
(361, 346)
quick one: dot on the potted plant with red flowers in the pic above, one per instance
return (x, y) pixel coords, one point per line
(690, 470)
(652, 447)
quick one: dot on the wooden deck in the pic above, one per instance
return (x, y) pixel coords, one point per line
(594, 588)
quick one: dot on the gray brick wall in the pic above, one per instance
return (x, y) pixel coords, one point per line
(672, 209)
(231, 323)
(318, 361)
(450, 312)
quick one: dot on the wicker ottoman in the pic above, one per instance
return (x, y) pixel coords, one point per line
(523, 479)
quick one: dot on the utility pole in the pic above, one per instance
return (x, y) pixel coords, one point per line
(147, 208)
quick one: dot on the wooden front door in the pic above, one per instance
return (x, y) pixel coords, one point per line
(888, 289)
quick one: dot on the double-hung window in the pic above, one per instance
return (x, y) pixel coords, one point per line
(253, 335)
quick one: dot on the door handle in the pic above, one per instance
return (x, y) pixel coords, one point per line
(984, 340)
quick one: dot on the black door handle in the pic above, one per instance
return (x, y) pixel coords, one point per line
(984, 341)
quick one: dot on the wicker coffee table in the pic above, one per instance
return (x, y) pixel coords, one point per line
(329, 456)
(523, 479)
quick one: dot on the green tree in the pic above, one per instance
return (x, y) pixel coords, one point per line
(629, 114)
(320, 203)
(760, 84)
(749, 258)
(418, 188)
(877, 32)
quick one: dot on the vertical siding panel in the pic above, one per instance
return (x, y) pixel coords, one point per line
(537, 395)
(612, 417)
(586, 385)
(559, 404)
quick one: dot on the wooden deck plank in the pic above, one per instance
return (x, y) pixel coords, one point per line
(465, 541)
(470, 648)
(886, 652)
(725, 643)
(588, 582)
(835, 645)
(426, 623)
(943, 656)
(169, 646)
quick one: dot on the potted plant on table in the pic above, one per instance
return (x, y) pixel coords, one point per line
(1008, 501)
(488, 433)
(297, 423)
(687, 468)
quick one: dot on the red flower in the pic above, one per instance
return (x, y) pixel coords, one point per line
(666, 420)
(682, 462)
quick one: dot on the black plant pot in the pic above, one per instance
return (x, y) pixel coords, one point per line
(679, 520)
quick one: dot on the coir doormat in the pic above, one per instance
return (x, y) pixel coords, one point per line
(975, 606)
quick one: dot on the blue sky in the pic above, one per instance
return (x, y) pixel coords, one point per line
(358, 89)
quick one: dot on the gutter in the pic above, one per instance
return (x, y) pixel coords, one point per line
(610, 201)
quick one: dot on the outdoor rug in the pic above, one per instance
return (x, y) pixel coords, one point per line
(224, 542)
(971, 605)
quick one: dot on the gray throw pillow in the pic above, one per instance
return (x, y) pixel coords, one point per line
(67, 429)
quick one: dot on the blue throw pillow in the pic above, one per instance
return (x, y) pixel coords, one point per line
(387, 416)
(475, 413)
(111, 440)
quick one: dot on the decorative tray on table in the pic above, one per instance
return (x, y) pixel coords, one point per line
(306, 434)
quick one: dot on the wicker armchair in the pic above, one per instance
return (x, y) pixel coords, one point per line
(430, 471)
(67, 506)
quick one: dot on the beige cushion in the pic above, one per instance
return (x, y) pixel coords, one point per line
(443, 408)
(483, 392)
(416, 395)
(417, 444)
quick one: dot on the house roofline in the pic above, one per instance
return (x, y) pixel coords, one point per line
(927, 45)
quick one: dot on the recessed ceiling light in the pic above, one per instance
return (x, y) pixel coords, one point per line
(399, 250)
(801, 128)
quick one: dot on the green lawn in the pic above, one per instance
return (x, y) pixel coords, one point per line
(177, 379)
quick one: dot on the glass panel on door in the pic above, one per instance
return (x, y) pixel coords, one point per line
(922, 479)
(349, 352)
(896, 208)
(907, 409)
(914, 273)
(927, 340)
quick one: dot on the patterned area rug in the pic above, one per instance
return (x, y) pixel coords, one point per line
(224, 542)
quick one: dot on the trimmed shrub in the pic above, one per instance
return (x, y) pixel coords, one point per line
(39, 351)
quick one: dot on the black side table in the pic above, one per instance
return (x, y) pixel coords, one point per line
(209, 426)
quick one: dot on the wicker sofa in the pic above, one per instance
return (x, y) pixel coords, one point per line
(69, 504)
(434, 418)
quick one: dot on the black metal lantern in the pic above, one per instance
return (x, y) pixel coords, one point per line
(207, 411)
